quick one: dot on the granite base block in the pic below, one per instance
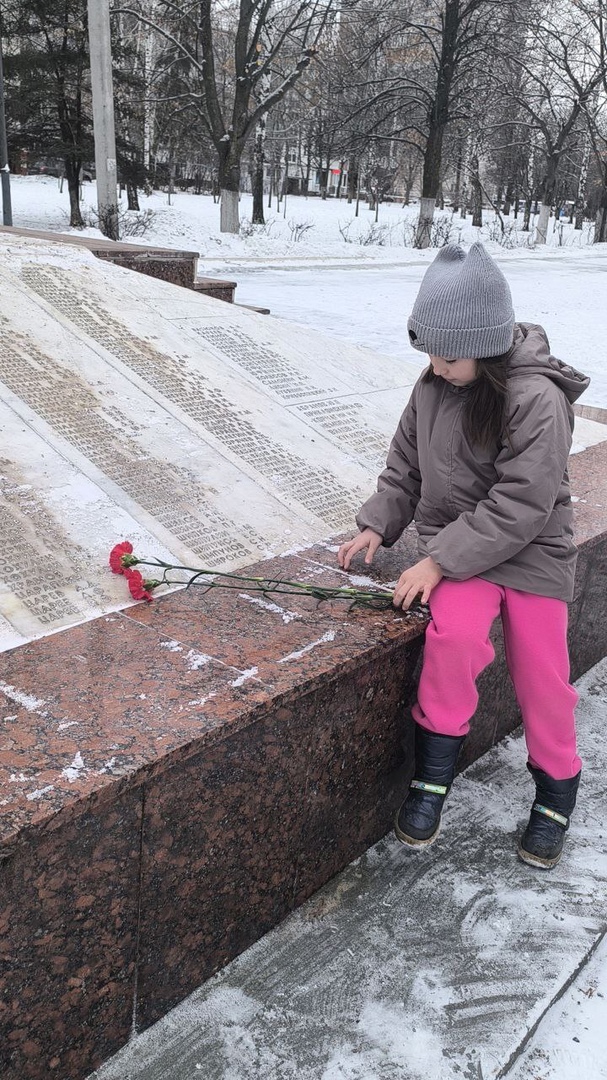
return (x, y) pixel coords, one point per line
(239, 835)
(68, 937)
(172, 786)
(177, 778)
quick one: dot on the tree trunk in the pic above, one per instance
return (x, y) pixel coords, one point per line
(548, 196)
(541, 233)
(229, 219)
(438, 118)
(463, 213)
(600, 221)
(258, 172)
(578, 208)
(132, 195)
(458, 184)
(430, 186)
(149, 107)
(352, 179)
(229, 187)
(477, 193)
(308, 171)
(527, 214)
(424, 226)
(600, 224)
(72, 175)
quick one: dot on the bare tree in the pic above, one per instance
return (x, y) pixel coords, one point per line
(48, 76)
(560, 70)
(236, 61)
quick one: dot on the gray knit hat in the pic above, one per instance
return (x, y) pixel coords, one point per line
(464, 307)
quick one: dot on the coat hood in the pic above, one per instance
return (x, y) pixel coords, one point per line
(531, 356)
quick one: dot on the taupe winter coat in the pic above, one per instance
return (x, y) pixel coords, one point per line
(503, 515)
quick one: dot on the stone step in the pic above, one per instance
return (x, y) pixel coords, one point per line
(253, 307)
(216, 288)
(169, 264)
(591, 412)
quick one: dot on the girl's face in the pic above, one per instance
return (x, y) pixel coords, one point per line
(456, 372)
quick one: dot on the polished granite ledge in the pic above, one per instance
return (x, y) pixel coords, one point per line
(177, 777)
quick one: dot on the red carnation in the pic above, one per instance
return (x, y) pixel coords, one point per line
(139, 589)
(117, 555)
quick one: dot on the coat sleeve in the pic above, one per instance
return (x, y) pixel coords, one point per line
(391, 508)
(530, 469)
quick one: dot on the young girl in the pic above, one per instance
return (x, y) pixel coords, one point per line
(479, 459)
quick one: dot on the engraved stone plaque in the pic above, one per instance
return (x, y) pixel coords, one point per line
(130, 409)
(134, 409)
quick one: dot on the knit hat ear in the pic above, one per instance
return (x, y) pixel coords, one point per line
(464, 306)
(450, 253)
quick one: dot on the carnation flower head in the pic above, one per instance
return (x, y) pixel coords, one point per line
(138, 588)
(121, 557)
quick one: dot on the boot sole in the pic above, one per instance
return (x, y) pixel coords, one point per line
(413, 841)
(534, 860)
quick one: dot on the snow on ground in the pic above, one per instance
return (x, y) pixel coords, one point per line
(303, 229)
(569, 1044)
(361, 292)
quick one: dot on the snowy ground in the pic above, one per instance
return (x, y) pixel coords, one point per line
(570, 1042)
(370, 306)
(362, 292)
(301, 229)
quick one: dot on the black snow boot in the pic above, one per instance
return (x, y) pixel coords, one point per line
(418, 819)
(542, 841)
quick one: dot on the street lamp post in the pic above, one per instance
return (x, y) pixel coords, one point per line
(103, 116)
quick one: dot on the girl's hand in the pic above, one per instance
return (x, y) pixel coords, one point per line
(421, 578)
(366, 539)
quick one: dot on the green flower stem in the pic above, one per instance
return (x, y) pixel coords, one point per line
(300, 586)
(270, 586)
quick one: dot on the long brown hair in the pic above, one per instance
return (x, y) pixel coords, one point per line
(485, 411)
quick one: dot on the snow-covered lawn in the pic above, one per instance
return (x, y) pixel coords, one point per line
(362, 292)
(301, 229)
(370, 306)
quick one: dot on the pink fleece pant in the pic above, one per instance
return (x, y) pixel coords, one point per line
(457, 649)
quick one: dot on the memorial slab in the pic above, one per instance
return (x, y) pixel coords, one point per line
(130, 408)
